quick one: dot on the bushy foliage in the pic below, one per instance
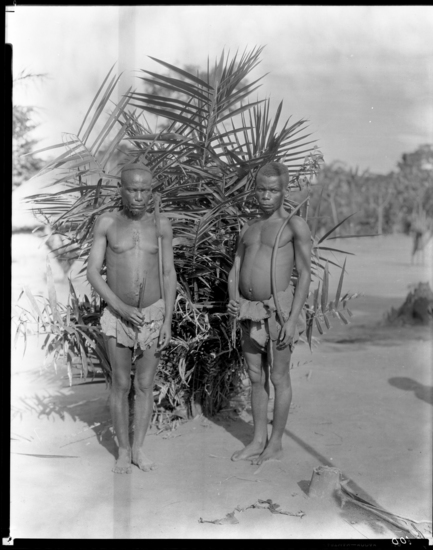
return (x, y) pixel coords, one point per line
(417, 308)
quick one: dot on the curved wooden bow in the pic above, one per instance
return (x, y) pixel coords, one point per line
(274, 261)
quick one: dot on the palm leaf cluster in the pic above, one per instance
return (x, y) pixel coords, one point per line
(204, 163)
(70, 331)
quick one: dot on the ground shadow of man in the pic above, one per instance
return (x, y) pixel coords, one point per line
(425, 393)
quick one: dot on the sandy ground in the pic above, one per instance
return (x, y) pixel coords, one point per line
(362, 403)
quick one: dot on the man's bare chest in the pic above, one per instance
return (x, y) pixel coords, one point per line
(133, 237)
(264, 234)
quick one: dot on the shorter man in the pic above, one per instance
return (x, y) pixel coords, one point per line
(137, 321)
(264, 341)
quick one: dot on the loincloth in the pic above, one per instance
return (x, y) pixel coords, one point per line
(126, 334)
(259, 320)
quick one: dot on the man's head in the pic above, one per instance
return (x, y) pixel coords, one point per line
(135, 188)
(271, 185)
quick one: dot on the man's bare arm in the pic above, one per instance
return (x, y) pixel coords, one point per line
(94, 266)
(302, 247)
(232, 279)
(170, 279)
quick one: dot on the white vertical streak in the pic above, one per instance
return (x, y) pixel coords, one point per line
(127, 19)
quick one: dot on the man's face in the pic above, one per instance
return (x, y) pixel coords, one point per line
(136, 191)
(270, 191)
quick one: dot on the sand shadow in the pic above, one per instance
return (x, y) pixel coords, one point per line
(235, 426)
(425, 393)
(86, 401)
(304, 485)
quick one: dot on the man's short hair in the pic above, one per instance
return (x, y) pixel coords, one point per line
(137, 166)
(273, 169)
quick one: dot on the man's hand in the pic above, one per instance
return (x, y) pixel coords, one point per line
(131, 314)
(233, 308)
(287, 335)
(164, 336)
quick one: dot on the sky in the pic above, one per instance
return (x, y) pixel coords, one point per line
(361, 75)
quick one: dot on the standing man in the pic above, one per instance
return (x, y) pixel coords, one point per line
(265, 343)
(137, 320)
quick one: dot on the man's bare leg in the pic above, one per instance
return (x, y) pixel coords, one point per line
(280, 377)
(258, 373)
(146, 367)
(120, 359)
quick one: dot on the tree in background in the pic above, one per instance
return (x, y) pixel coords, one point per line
(338, 194)
(378, 192)
(415, 184)
(377, 203)
(25, 163)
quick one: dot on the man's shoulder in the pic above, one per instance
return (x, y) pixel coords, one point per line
(299, 226)
(165, 225)
(247, 225)
(250, 223)
(105, 220)
(165, 221)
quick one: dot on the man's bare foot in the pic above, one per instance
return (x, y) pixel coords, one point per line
(140, 460)
(248, 452)
(274, 452)
(123, 463)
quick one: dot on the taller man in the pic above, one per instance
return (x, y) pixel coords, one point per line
(265, 342)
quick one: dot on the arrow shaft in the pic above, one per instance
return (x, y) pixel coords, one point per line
(159, 236)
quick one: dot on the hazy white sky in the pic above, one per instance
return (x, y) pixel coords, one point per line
(362, 75)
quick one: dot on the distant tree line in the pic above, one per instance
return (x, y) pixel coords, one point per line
(377, 203)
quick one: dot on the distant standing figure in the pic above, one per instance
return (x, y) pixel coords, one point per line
(422, 234)
(265, 343)
(137, 320)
